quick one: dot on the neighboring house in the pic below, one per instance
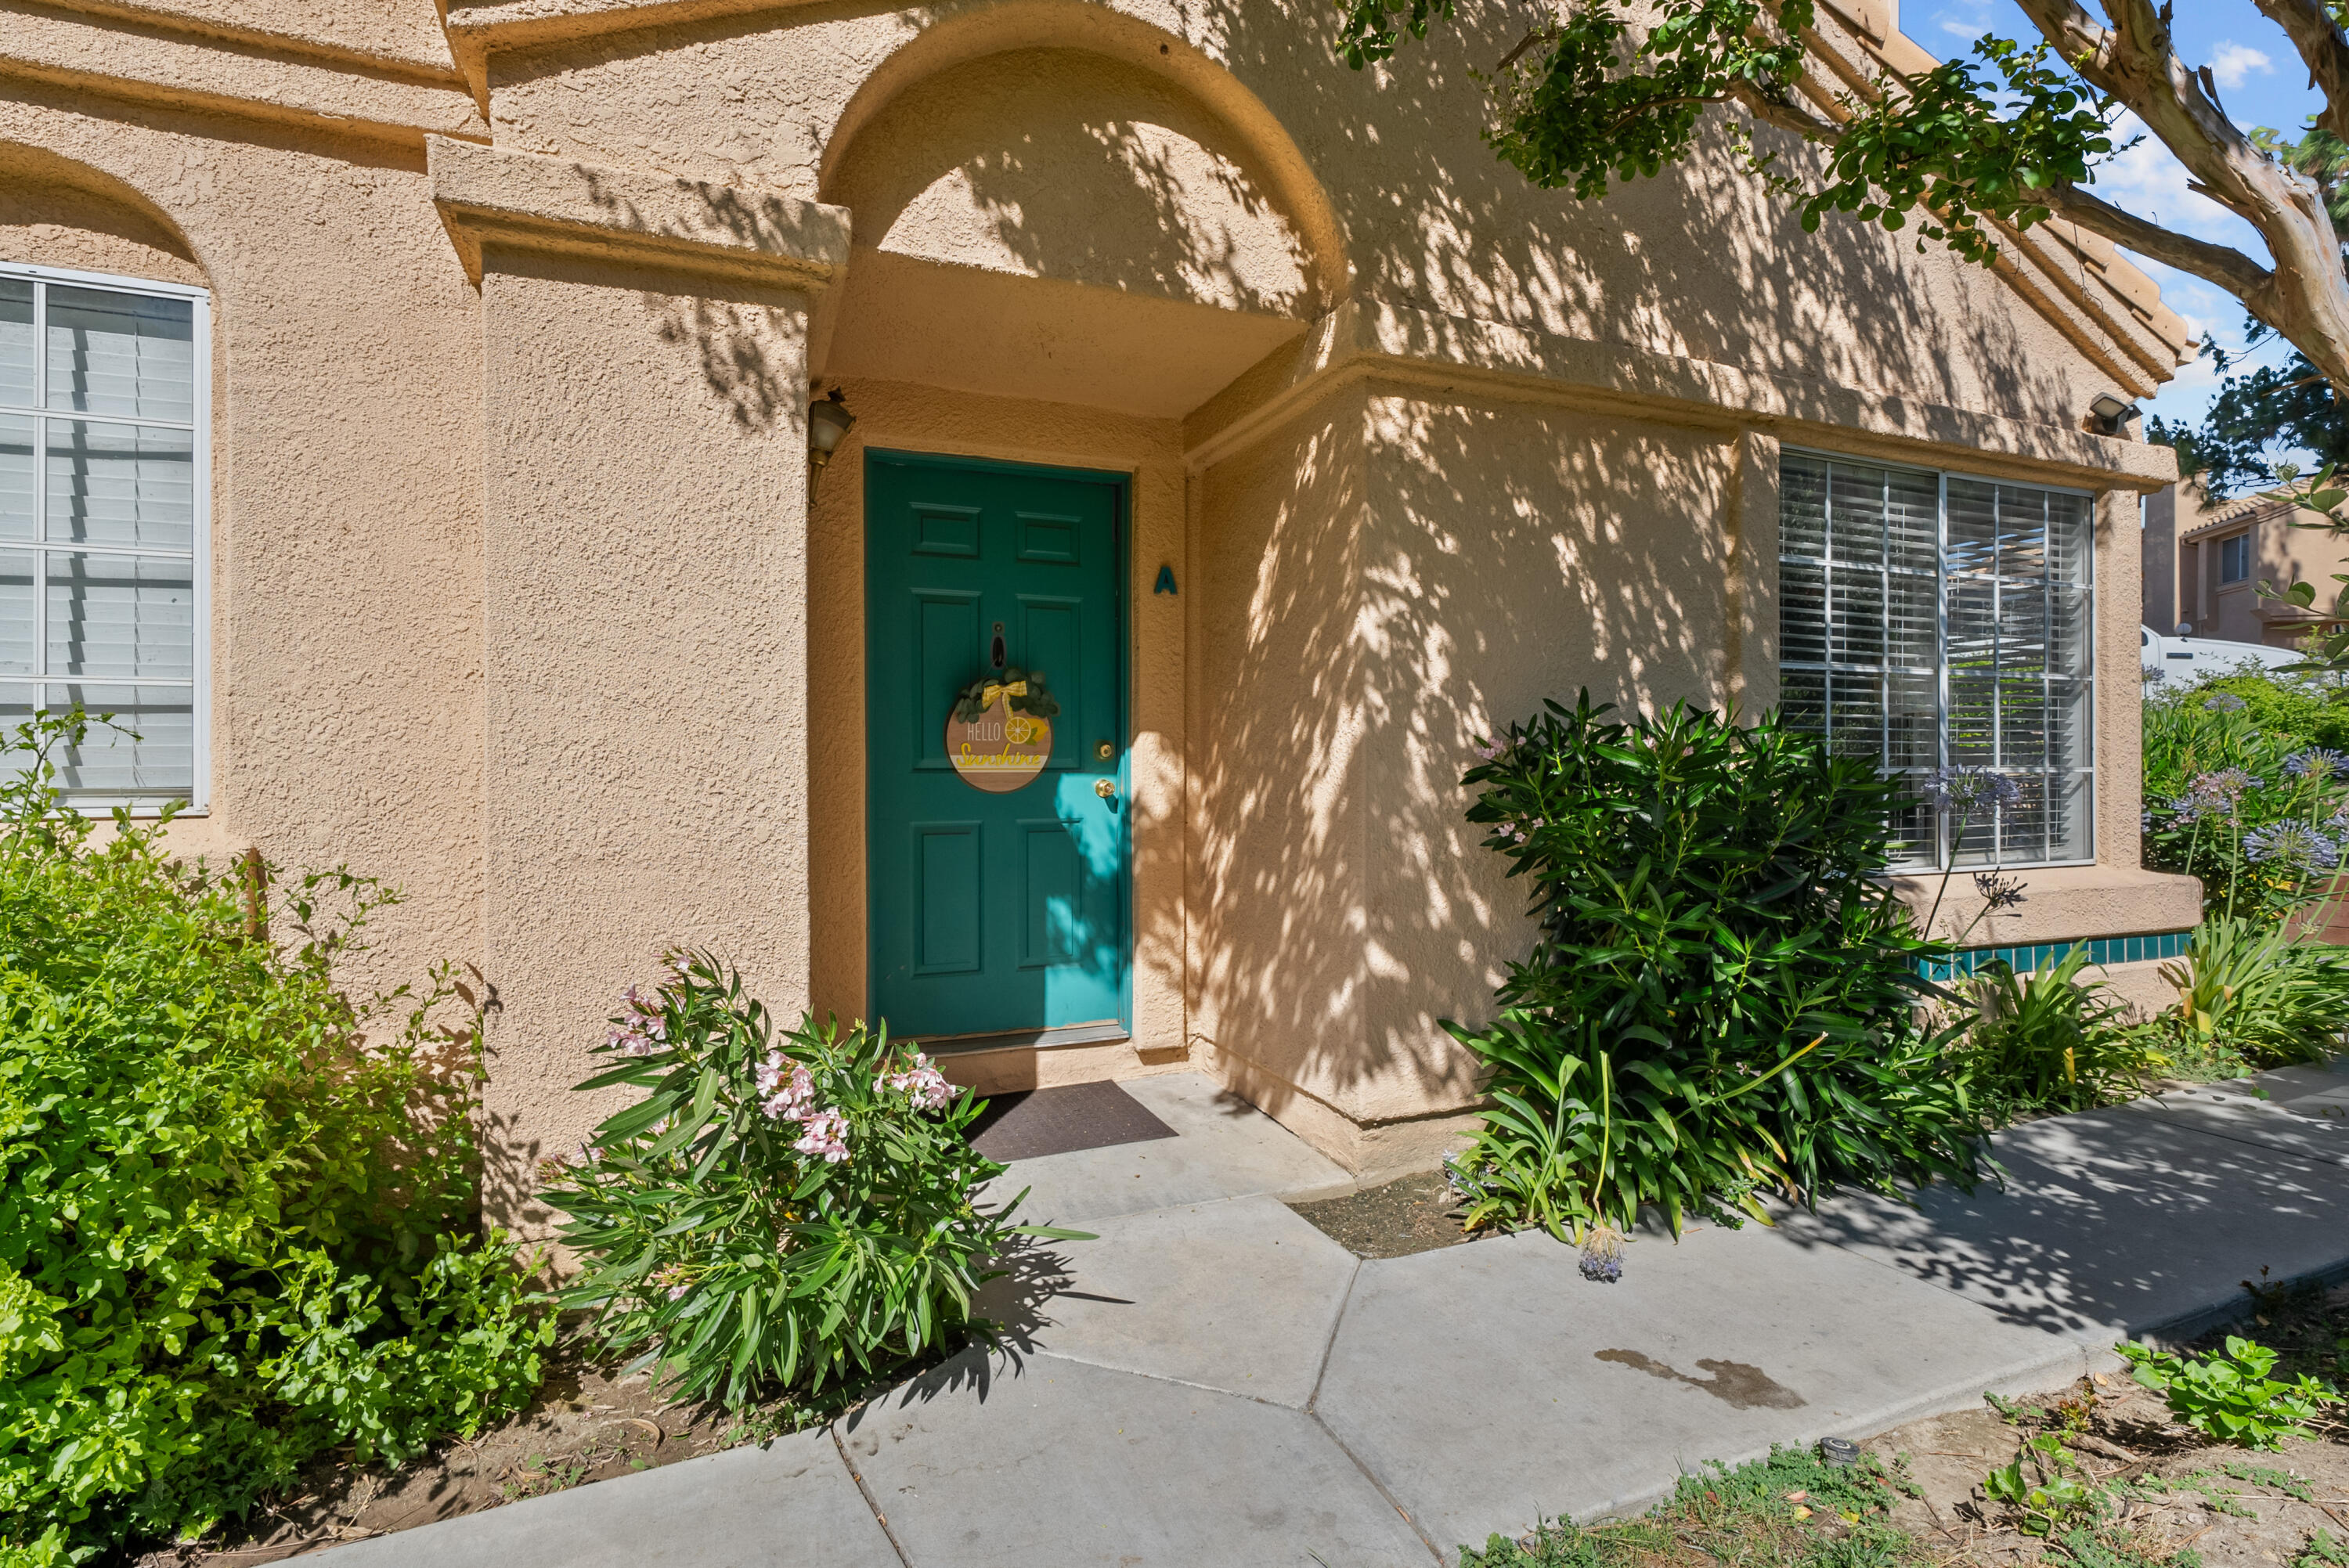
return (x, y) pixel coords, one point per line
(404, 422)
(2205, 559)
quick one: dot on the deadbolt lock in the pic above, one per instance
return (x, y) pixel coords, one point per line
(1105, 750)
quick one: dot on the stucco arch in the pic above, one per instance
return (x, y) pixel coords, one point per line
(57, 211)
(1072, 26)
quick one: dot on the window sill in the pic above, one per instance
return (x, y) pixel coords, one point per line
(2061, 903)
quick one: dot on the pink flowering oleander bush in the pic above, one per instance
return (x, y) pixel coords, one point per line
(782, 1209)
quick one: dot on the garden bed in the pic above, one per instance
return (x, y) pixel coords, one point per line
(585, 1425)
(1415, 1213)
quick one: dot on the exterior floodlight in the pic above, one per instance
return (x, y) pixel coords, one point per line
(2110, 412)
(828, 421)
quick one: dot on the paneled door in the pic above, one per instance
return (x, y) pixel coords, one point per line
(994, 911)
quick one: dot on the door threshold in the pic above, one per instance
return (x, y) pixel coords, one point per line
(1108, 1033)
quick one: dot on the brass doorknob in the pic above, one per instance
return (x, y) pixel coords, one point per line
(1105, 788)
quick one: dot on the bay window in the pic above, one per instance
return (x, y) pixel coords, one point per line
(102, 509)
(1932, 621)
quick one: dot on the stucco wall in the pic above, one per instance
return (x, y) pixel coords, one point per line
(1518, 554)
(646, 660)
(519, 603)
(1386, 583)
(1699, 262)
(345, 652)
(1279, 806)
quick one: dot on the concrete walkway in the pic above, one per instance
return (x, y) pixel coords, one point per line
(1214, 1381)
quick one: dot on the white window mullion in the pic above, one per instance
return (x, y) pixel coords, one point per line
(2048, 781)
(1944, 851)
(40, 492)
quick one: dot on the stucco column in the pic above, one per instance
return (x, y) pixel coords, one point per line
(644, 603)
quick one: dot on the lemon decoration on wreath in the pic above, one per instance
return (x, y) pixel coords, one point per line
(1000, 733)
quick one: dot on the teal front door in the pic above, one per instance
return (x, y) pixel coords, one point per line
(995, 913)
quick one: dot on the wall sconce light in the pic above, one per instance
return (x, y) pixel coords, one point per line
(828, 421)
(2108, 413)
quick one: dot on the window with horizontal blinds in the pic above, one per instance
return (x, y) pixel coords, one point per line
(100, 514)
(1929, 621)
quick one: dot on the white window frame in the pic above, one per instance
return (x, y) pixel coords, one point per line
(2094, 771)
(199, 801)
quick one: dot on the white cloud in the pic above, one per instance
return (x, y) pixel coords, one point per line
(2147, 179)
(2234, 63)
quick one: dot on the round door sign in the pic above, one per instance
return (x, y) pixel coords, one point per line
(1000, 750)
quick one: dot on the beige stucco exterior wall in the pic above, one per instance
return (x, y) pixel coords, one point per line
(345, 656)
(1279, 812)
(646, 768)
(1513, 553)
(520, 603)
(1690, 267)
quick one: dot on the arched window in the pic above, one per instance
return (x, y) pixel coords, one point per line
(103, 491)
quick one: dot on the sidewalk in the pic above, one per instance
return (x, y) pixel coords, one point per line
(1215, 1381)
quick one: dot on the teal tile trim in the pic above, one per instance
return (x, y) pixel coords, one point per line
(2047, 955)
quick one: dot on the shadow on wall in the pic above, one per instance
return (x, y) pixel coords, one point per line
(1699, 262)
(1143, 188)
(1400, 571)
(1386, 585)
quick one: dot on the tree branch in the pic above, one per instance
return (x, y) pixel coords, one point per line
(1532, 37)
(2323, 48)
(2231, 270)
(1785, 114)
(2305, 296)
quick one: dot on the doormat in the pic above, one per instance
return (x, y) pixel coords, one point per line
(1029, 1123)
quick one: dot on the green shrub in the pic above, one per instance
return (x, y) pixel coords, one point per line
(2044, 1042)
(232, 1230)
(2247, 989)
(1722, 994)
(778, 1210)
(2240, 791)
(2227, 1394)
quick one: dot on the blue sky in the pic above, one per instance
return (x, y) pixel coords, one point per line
(2261, 82)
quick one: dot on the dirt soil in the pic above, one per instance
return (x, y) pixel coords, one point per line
(2233, 1508)
(1415, 1213)
(583, 1427)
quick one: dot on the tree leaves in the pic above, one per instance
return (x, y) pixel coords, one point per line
(1958, 146)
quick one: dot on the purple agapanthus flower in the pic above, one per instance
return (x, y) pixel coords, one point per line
(2317, 762)
(2224, 702)
(2002, 891)
(1968, 789)
(2291, 844)
(1602, 1255)
(2228, 785)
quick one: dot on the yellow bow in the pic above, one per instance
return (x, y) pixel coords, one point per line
(987, 698)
